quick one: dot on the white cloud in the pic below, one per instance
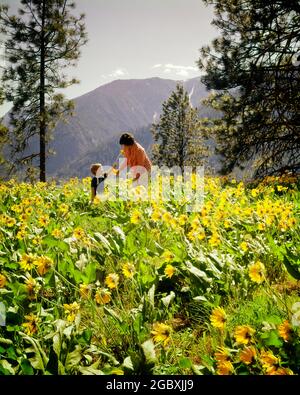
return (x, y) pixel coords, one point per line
(118, 73)
(182, 71)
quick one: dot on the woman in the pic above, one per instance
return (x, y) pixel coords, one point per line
(137, 158)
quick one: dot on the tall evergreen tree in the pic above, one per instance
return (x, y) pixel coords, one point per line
(41, 41)
(177, 135)
(253, 66)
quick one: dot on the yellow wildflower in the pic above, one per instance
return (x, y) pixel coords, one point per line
(63, 208)
(269, 361)
(128, 270)
(43, 265)
(78, 233)
(214, 240)
(57, 233)
(243, 334)
(136, 217)
(182, 219)
(85, 291)
(27, 261)
(218, 318)
(225, 368)
(71, 311)
(44, 220)
(156, 215)
(284, 330)
(281, 372)
(222, 355)
(169, 271)
(257, 272)
(112, 280)
(10, 222)
(161, 333)
(3, 281)
(37, 240)
(244, 246)
(31, 287)
(29, 210)
(167, 217)
(31, 324)
(102, 296)
(247, 355)
(17, 208)
(168, 256)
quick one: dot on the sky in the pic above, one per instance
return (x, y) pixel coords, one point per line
(138, 39)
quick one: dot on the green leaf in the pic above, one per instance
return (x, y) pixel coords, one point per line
(127, 364)
(73, 359)
(292, 267)
(120, 233)
(90, 371)
(201, 275)
(185, 363)
(26, 367)
(168, 299)
(271, 338)
(113, 314)
(6, 365)
(149, 352)
(57, 344)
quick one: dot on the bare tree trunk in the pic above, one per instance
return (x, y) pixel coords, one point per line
(42, 101)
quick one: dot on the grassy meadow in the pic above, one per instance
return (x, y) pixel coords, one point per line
(146, 287)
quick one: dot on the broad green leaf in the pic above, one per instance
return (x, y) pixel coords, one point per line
(185, 363)
(168, 299)
(73, 358)
(149, 351)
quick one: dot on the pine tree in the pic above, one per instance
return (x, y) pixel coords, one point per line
(253, 67)
(177, 135)
(41, 41)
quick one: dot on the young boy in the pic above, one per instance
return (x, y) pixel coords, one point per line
(96, 170)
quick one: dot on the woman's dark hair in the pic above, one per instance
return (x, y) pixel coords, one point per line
(126, 139)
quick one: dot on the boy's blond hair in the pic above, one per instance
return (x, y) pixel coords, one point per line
(95, 167)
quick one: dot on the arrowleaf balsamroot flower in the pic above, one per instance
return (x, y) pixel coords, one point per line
(225, 368)
(218, 318)
(3, 281)
(102, 296)
(31, 324)
(128, 270)
(112, 280)
(79, 233)
(85, 291)
(27, 262)
(136, 217)
(269, 361)
(43, 264)
(71, 311)
(168, 256)
(257, 272)
(243, 334)
(284, 330)
(247, 355)
(161, 333)
(169, 271)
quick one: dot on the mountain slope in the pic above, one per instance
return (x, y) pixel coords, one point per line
(104, 113)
